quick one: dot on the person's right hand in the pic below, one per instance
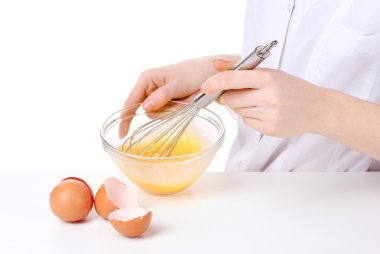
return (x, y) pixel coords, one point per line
(180, 81)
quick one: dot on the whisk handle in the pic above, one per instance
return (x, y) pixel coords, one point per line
(248, 62)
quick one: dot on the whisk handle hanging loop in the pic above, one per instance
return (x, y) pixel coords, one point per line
(248, 62)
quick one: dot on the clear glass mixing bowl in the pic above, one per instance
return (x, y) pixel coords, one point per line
(163, 175)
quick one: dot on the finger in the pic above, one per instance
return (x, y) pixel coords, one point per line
(228, 80)
(179, 103)
(222, 64)
(250, 112)
(159, 103)
(136, 96)
(152, 115)
(241, 98)
(159, 98)
(171, 106)
(191, 97)
(138, 93)
(126, 117)
(256, 124)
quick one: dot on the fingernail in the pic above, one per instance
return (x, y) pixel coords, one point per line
(220, 100)
(221, 59)
(203, 88)
(148, 105)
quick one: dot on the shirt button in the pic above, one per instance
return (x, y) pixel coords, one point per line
(290, 7)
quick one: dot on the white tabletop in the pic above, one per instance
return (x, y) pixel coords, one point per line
(221, 213)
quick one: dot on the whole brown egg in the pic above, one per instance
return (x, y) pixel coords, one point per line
(71, 200)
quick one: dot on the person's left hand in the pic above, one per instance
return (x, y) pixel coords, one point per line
(270, 101)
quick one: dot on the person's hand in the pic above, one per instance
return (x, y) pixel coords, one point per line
(270, 101)
(181, 81)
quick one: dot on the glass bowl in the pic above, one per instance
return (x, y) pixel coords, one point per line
(163, 175)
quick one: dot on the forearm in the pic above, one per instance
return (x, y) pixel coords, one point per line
(350, 121)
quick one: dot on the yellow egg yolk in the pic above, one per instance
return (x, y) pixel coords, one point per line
(187, 144)
(165, 176)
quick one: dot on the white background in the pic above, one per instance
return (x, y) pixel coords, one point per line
(66, 65)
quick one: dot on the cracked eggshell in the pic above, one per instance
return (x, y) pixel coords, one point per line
(71, 200)
(114, 194)
(131, 222)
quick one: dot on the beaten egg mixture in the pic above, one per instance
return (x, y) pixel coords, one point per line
(166, 176)
(188, 144)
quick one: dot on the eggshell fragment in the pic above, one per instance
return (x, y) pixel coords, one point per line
(131, 222)
(114, 194)
(71, 200)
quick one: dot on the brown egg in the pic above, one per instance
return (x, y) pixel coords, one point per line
(112, 195)
(102, 204)
(131, 222)
(79, 179)
(71, 200)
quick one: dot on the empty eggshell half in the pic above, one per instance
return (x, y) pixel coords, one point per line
(114, 194)
(131, 222)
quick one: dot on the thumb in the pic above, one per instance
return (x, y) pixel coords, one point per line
(158, 98)
(223, 64)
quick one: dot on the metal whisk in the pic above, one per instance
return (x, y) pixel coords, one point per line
(163, 134)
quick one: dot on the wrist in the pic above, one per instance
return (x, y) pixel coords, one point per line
(330, 112)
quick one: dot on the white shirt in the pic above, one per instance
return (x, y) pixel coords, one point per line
(331, 43)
